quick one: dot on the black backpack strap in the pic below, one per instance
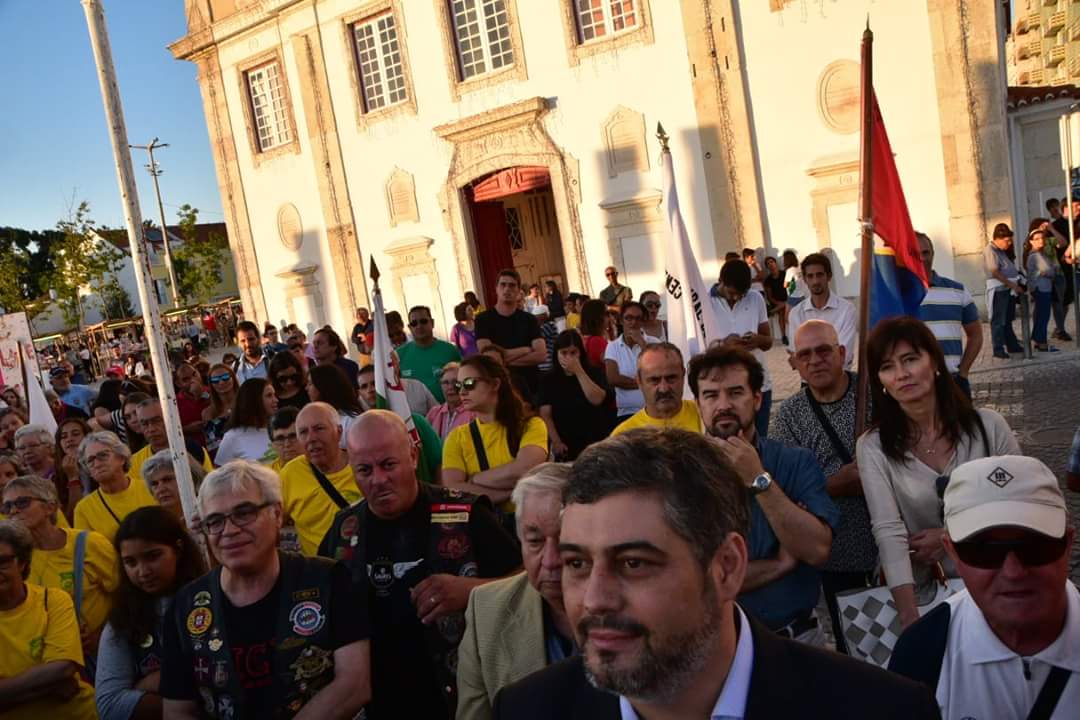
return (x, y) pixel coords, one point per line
(478, 445)
(920, 651)
(834, 438)
(1050, 694)
(328, 487)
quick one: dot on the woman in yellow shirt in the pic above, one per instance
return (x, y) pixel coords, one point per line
(487, 456)
(108, 459)
(40, 653)
(79, 562)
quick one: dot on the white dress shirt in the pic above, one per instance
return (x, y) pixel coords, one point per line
(745, 317)
(731, 705)
(627, 401)
(838, 312)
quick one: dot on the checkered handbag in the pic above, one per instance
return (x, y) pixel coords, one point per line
(871, 624)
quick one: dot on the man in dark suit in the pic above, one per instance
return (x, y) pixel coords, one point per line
(654, 552)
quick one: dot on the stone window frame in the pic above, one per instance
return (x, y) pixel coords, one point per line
(369, 11)
(576, 51)
(259, 156)
(460, 87)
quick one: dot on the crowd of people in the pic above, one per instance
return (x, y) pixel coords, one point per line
(575, 521)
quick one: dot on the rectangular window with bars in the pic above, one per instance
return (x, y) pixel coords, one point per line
(598, 19)
(267, 96)
(481, 36)
(378, 57)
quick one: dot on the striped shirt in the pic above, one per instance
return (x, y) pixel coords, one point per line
(946, 309)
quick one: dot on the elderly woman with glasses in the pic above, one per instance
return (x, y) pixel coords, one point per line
(35, 446)
(289, 378)
(324, 671)
(223, 390)
(80, 562)
(160, 478)
(107, 459)
(40, 651)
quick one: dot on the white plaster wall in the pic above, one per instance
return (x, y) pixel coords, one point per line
(786, 53)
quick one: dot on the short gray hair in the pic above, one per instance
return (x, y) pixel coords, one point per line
(162, 460)
(39, 488)
(237, 476)
(21, 541)
(108, 439)
(545, 479)
(33, 429)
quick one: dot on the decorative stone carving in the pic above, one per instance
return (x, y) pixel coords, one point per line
(303, 296)
(633, 216)
(409, 257)
(290, 229)
(401, 198)
(624, 142)
(836, 182)
(838, 96)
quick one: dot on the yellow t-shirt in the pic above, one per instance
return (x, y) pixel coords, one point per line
(55, 568)
(137, 460)
(61, 520)
(30, 636)
(688, 418)
(460, 454)
(308, 506)
(93, 511)
(573, 321)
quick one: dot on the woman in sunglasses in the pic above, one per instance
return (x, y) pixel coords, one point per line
(487, 456)
(444, 418)
(289, 379)
(40, 652)
(924, 426)
(157, 557)
(223, 389)
(653, 325)
(247, 437)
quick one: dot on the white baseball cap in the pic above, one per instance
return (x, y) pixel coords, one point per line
(1007, 490)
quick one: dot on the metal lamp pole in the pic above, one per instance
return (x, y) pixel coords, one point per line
(155, 172)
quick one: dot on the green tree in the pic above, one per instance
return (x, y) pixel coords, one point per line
(198, 262)
(80, 259)
(117, 302)
(35, 264)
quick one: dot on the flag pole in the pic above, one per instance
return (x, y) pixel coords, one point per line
(866, 221)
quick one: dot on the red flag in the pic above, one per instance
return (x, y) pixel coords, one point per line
(892, 222)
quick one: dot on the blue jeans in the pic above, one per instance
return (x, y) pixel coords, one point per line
(1001, 329)
(1042, 316)
(761, 419)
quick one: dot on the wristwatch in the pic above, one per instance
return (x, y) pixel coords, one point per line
(761, 483)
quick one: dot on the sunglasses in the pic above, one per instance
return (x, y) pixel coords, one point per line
(1032, 551)
(610, 274)
(215, 379)
(467, 383)
(288, 377)
(20, 503)
(822, 351)
(421, 321)
(652, 304)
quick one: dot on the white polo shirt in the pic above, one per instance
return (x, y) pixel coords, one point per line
(981, 679)
(838, 312)
(627, 402)
(747, 315)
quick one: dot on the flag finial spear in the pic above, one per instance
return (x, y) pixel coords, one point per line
(374, 272)
(868, 33)
(662, 137)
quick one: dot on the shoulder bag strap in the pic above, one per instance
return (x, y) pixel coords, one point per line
(77, 575)
(838, 446)
(1050, 694)
(101, 497)
(478, 445)
(328, 487)
(982, 432)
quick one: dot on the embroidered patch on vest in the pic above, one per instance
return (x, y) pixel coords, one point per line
(454, 545)
(198, 622)
(202, 599)
(307, 618)
(313, 661)
(450, 517)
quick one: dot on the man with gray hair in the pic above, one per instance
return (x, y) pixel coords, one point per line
(266, 634)
(159, 475)
(518, 625)
(36, 448)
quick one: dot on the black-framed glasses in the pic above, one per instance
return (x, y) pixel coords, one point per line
(1033, 550)
(242, 515)
(288, 437)
(822, 351)
(467, 383)
(419, 321)
(19, 503)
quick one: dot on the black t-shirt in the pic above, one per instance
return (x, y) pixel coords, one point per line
(579, 422)
(511, 331)
(297, 401)
(404, 683)
(358, 332)
(252, 640)
(775, 285)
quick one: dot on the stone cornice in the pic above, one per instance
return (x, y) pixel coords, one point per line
(526, 112)
(198, 41)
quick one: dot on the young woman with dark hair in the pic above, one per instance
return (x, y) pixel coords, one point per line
(463, 334)
(223, 388)
(70, 480)
(575, 399)
(924, 426)
(511, 440)
(330, 350)
(247, 438)
(157, 557)
(593, 328)
(289, 378)
(329, 384)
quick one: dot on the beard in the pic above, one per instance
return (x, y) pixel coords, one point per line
(665, 664)
(724, 432)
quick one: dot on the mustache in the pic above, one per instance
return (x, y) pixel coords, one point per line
(665, 394)
(725, 416)
(610, 622)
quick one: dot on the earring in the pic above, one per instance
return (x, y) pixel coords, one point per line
(937, 373)
(884, 390)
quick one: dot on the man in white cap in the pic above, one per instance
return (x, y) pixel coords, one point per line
(1009, 645)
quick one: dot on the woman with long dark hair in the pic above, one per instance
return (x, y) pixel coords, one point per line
(247, 437)
(289, 378)
(593, 328)
(329, 384)
(157, 557)
(223, 389)
(463, 334)
(69, 475)
(512, 441)
(924, 426)
(574, 399)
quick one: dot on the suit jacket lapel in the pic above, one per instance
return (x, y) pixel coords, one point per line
(593, 704)
(771, 663)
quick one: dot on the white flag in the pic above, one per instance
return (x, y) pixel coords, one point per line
(40, 412)
(691, 320)
(387, 383)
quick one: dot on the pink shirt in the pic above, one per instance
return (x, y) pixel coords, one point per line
(443, 420)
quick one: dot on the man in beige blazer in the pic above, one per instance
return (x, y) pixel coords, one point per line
(517, 625)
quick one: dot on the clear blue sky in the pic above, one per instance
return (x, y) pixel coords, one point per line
(54, 144)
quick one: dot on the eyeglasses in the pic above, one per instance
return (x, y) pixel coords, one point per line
(289, 437)
(19, 503)
(610, 274)
(29, 446)
(420, 321)
(6, 561)
(822, 351)
(652, 304)
(467, 383)
(242, 515)
(215, 379)
(1032, 551)
(152, 421)
(100, 457)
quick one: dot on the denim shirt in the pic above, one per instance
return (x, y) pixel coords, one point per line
(797, 473)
